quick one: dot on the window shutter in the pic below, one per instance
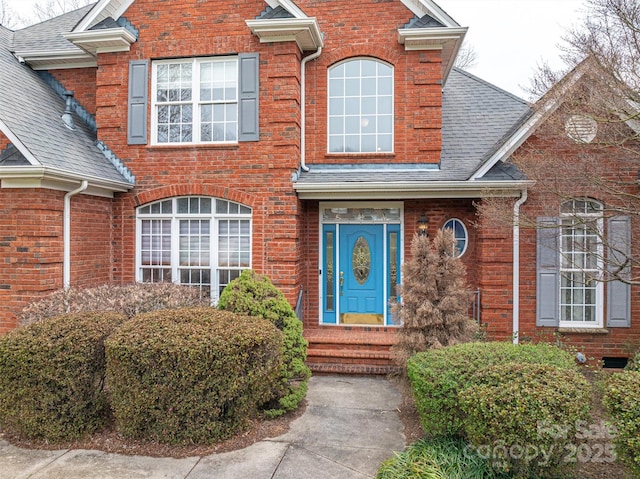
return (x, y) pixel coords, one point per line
(548, 272)
(138, 97)
(618, 292)
(248, 97)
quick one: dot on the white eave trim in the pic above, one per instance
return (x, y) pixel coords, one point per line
(424, 7)
(51, 60)
(409, 190)
(102, 41)
(56, 179)
(430, 38)
(101, 10)
(304, 31)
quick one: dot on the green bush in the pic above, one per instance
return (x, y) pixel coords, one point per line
(255, 295)
(634, 363)
(52, 375)
(438, 375)
(440, 458)
(129, 300)
(192, 375)
(523, 416)
(622, 402)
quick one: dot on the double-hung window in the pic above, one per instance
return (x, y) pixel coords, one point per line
(361, 107)
(199, 241)
(195, 100)
(581, 264)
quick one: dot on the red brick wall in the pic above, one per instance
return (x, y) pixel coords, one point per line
(257, 174)
(370, 28)
(82, 82)
(4, 142)
(31, 246)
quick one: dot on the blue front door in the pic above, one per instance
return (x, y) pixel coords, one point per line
(361, 274)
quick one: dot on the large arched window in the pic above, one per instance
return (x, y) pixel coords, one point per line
(199, 241)
(361, 107)
(581, 289)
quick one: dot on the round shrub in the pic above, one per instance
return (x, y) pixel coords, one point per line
(192, 375)
(523, 416)
(255, 295)
(52, 375)
(444, 457)
(622, 402)
(438, 375)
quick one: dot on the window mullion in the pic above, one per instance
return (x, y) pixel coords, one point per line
(175, 244)
(195, 97)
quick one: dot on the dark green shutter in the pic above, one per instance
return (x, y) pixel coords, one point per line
(548, 272)
(248, 129)
(138, 98)
(619, 292)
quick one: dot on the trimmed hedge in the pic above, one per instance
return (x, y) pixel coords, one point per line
(52, 376)
(254, 295)
(438, 375)
(192, 375)
(622, 402)
(523, 416)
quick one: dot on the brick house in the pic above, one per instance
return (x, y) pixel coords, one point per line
(307, 140)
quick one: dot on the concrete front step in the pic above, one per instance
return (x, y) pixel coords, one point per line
(326, 368)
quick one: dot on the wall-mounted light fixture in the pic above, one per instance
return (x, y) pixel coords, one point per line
(423, 223)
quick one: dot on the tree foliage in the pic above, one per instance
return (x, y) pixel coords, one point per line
(586, 146)
(435, 300)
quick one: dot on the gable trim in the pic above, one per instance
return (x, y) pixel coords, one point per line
(18, 144)
(101, 10)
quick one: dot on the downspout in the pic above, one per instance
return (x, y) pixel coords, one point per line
(516, 265)
(303, 107)
(66, 234)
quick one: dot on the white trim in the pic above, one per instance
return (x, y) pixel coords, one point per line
(408, 190)
(345, 113)
(6, 131)
(98, 13)
(466, 234)
(304, 31)
(56, 179)
(422, 7)
(195, 101)
(102, 41)
(48, 60)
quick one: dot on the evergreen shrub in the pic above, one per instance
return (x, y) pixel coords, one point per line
(437, 376)
(191, 375)
(622, 402)
(255, 295)
(52, 376)
(524, 417)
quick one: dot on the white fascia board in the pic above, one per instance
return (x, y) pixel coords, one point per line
(53, 178)
(102, 10)
(440, 35)
(306, 31)
(44, 60)
(422, 7)
(409, 190)
(102, 41)
(6, 131)
(292, 8)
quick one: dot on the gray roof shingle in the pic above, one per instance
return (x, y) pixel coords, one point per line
(32, 110)
(47, 35)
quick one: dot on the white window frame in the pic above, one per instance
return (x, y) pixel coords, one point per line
(214, 236)
(457, 252)
(361, 117)
(196, 102)
(580, 218)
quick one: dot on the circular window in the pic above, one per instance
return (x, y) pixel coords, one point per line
(459, 234)
(581, 129)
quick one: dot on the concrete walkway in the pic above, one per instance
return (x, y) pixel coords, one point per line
(349, 427)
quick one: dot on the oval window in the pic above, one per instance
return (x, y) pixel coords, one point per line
(459, 234)
(361, 260)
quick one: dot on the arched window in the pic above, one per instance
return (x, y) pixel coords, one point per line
(581, 291)
(361, 107)
(459, 233)
(199, 241)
